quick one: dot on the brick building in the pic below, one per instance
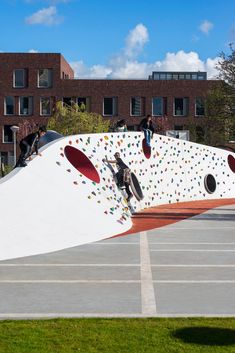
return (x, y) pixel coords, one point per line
(31, 83)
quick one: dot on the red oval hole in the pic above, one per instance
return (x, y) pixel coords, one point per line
(82, 163)
(231, 162)
(146, 149)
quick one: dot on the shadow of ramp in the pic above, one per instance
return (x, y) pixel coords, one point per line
(207, 336)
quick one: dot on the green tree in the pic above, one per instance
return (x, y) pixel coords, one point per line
(218, 125)
(219, 116)
(74, 119)
(226, 68)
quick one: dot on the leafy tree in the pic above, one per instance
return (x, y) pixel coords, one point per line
(218, 125)
(219, 115)
(226, 67)
(74, 119)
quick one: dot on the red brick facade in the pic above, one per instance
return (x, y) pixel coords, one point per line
(64, 85)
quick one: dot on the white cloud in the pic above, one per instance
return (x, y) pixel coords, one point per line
(46, 16)
(180, 61)
(33, 51)
(125, 65)
(206, 26)
(136, 40)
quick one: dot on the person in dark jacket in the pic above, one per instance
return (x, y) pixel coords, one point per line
(122, 175)
(146, 125)
(28, 145)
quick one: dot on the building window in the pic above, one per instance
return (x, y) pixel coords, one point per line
(180, 106)
(110, 106)
(45, 78)
(26, 105)
(84, 103)
(199, 107)
(136, 106)
(20, 78)
(7, 134)
(157, 106)
(45, 106)
(68, 101)
(9, 106)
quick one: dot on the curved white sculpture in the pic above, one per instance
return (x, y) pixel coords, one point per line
(68, 197)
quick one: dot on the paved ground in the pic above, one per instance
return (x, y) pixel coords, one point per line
(185, 269)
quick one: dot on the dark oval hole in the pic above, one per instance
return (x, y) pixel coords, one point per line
(82, 163)
(231, 163)
(135, 187)
(210, 183)
(146, 149)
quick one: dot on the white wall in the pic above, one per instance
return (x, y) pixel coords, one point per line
(50, 205)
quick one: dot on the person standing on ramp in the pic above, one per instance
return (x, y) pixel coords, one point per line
(28, 145)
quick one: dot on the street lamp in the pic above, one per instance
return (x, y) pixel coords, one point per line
(14, 129)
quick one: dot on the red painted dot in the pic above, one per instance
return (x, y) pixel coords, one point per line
(231, 163)
(146, 149)
(82, 163)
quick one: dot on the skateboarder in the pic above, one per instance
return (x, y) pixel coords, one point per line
(28, 144)
(123, 174)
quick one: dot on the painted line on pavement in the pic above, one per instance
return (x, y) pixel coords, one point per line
(196, 243)
(148, 301)
(66, 265)
(183, 265)
(193, 250)
(194, 281)
(31, 281)
(108, 315)
(189, 228)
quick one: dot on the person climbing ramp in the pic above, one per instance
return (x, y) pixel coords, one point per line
(123, 174)
(146, 125)
(28, 144)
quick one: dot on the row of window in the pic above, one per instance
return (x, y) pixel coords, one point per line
(110, 105)
(159, 106)
(20, 78)
(26, 105)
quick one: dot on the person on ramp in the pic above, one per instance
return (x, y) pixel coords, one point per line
(123, 174)
(28, 145)
(146, 125)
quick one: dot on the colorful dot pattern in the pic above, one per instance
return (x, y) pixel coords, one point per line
(174, 172)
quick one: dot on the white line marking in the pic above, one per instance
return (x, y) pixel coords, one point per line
(148, 300)
(108, 315)
(67, 265)
(196, 243)
(189, 228)
(69, 281)
(203, 266)
(194, 281)
(114, 243)
(193, 250)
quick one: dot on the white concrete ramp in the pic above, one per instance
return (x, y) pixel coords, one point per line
(68, 197)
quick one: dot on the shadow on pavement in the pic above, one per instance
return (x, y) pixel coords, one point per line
(208, 336)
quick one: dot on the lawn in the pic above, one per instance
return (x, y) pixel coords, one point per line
(118, 335)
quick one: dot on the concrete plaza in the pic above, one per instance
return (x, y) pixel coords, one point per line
(183, 269)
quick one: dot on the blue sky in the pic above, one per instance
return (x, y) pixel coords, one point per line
(125, 38)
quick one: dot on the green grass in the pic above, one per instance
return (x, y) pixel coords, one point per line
(118, 336)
